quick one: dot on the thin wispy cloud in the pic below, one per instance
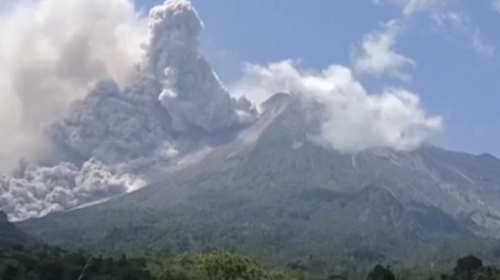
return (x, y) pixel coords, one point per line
(377, 54)
(481, 46)
(410, 7)
(458, 24)
(454, 20)
(496, 5)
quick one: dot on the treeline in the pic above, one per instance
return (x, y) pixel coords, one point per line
(19, 263)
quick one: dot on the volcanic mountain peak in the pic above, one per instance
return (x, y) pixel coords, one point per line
(278, 153)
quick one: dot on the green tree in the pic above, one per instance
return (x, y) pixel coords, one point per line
(225, 266)
(380, 272)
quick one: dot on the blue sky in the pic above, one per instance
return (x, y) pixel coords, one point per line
(447, 51)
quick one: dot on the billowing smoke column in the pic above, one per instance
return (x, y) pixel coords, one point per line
(192, 93)
(118, 131)
(115, 125)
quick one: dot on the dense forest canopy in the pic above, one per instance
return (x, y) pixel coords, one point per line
(19, 263)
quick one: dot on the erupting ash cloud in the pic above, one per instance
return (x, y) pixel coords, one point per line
(192, 93)
(175, 90)
(135, 69)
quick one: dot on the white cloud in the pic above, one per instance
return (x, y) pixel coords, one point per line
(411, 7)
(481, 46)
(377, 55)
(354, 120)
(456, 21)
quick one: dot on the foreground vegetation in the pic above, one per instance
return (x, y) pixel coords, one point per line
(18, 263)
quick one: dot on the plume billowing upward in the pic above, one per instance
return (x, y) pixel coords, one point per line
(121, 125)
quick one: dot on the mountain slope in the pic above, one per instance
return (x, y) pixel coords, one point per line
(273, 193)
(11, 235)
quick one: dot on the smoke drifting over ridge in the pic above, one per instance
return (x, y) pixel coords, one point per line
(127, 94)
(353, 119)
